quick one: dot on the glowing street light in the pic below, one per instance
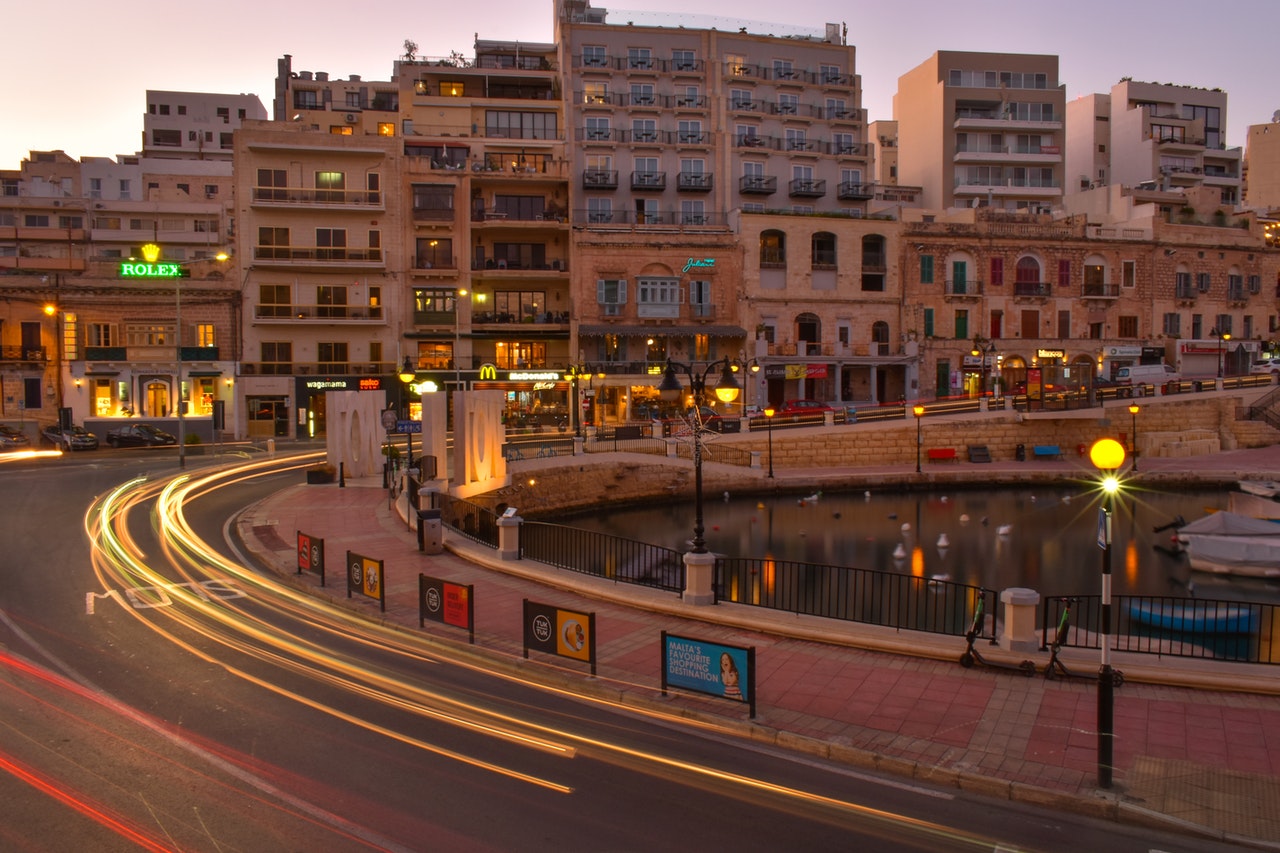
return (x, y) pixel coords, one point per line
(1107, 455)
(918, 411)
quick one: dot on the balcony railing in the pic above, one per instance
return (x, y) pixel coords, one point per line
(1032, 288)
(693, 181)
(1185, 291)
(758, 184)
(303, 195)
(850, 191)
(648, 180)
(807, 188)
(317, 368)
(30, 354)
(323, 313)
(600, 179)
(1100, 290)
(676, 218)
(313, 253)
(963, 287)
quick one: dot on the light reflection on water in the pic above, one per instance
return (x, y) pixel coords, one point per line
(1049, 541)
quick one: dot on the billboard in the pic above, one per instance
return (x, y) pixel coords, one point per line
(711, 668)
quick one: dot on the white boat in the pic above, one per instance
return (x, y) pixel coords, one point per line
(1227, 543)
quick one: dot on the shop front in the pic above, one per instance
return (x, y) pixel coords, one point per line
(309, 391)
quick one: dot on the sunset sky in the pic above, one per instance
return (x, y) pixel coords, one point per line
(76, 74)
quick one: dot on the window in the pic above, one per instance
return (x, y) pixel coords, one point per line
(330, 186)
(997, 272)
(272, 185)
(843, 143)
(783, 70)
(823, 251)
(683, 60)
(331, 244)
(126, 188)
(332, 356)
(597, 127)
(1204, 281)
(797, 140)
(1064, 272)
(690, 131)
(593, 56)
(639, 58)
(1172, 324)
(700, 302)
(740, 99)
(595, 92)
(274, 301)
(205, 335)
(1127, 326)
(611, 294)
(100, 335)
(306, 99)
(386, 128)
(520, 124)
(35, 220)
(788, 104)
(331, 301)
(773, 249)
(644, 130)
(432, 201)
(599, 210)
(658, 297)
(926, 269)
(693, 212)
(433, 252)
(1128, 273)
(736, 64)
(830, 74)
(168, 138)
(273, 243)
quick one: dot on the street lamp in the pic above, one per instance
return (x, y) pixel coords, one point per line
(918, 411)
(1133, 433)
(574, 374)
(408, 373)
(177, 317)
(983, 348)
(727, 389)
(1107, 455)
(1222, 337)
(769, 412)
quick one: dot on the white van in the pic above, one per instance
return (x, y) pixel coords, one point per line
(1133, 380)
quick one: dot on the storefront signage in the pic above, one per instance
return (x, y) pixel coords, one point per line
(1123, 352)
(488, 373)
(150, 267)
(1051, 353)
(699, 263)
(806, 371)
(533, 376)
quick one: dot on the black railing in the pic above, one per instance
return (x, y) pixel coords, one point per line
(1164, 625)
(602, 555)
(894, 600)
(473, 521)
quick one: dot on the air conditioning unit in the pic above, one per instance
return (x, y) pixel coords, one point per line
(351, 117)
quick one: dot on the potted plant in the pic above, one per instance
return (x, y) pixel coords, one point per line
(322, 473)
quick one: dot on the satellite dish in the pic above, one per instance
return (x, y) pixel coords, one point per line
(1275, 116)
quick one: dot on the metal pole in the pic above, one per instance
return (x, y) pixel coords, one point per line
(770, 419)
(919, 441)
(1106, 682)
(182, 426)
(1133, 435)
(699, 543)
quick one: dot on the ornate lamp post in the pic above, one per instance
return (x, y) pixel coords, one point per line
(407, 374)
(1107, 455)
(1134, 408)
(918, 411)
(574, 374)
(726, 390)
(769, 412)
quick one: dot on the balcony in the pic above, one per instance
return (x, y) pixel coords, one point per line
(317, 368)
(30, 355)
(684, 102)
(691, 137)
(1185, 292)
(309, 197)
(748, 105)
(757, 185)
(962, 289)
(600, 179)
(505, 318)
(328, 256)
(693, 182)
(752, 140)
(1100, 290)
(649, 181)
(361, 314)
(874, 262)
(807, 188)
(597, 134)
(1032, 289)
(849, 191)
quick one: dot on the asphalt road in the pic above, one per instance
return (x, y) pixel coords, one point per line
(160, 696)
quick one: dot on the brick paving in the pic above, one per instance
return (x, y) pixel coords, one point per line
(1194, 743)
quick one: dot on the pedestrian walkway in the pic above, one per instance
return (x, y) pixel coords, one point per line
(1197, 745)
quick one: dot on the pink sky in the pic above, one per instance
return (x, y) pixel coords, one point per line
(77, 74)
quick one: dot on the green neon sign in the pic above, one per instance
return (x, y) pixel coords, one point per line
(137, 269)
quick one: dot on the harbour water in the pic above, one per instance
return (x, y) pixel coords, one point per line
(1041, 538)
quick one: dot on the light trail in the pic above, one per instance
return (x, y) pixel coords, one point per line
(229, 623)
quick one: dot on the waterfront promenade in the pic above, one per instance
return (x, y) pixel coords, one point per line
(1197, 744)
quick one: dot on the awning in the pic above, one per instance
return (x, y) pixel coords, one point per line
(204, 373)
(678, 331)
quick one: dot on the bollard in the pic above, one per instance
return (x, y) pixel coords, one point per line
(271, 447)
(342, 475)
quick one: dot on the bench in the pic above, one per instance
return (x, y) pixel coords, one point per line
(1047, 451)
(942, 454)
(979, 453)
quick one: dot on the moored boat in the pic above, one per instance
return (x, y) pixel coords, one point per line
(1232, 544)
(1195, 617)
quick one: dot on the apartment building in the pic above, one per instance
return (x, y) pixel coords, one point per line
(1262, 166)
(684, 139)
(982, 130)
(78, 331)
(1002, 299)
(1153, 136)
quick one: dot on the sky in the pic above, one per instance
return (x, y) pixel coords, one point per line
(76, 75)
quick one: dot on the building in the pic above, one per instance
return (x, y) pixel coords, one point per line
(982, 130)
(1262, 164)
(1153, 136)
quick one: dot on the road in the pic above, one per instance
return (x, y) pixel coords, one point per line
(162, 696)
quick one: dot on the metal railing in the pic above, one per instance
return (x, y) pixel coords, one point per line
(904, 602)
(1168, 626)
(477, 523)
(602, 555)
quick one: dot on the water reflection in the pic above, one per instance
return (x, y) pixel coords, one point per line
(1043, 538)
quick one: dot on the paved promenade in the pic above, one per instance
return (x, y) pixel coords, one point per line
(1197, 745)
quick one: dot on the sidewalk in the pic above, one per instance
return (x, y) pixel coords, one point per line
(1192, 748)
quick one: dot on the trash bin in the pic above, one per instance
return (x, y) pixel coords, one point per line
(1020, 453)
(430, 535)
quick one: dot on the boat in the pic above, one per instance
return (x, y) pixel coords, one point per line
(1256, 498)
(1228, 543)
(1195, 617)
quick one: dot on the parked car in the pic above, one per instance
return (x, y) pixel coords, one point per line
(1267, 365)
(796, 409)
(75, 438)
(140, 435)
(1134, 379)
(13, 439)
